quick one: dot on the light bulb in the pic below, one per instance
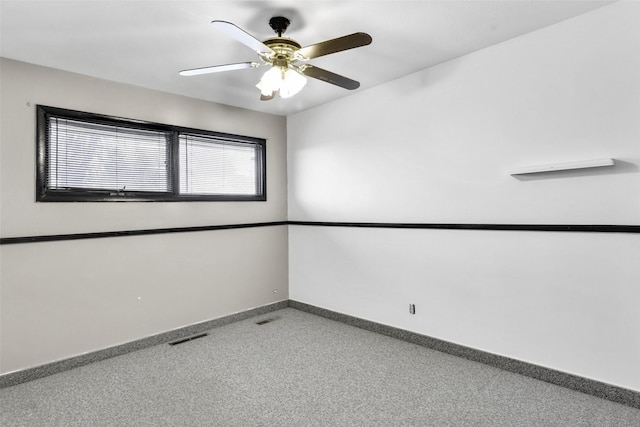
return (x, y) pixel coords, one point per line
(270, 81)
(292, 83)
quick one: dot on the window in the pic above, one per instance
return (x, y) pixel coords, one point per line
(88, 157)
(235, 172)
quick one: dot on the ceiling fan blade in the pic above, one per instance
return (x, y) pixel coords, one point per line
(335, 45)
(267, 97)
(218, 68)
(329, 77)
(241, 35)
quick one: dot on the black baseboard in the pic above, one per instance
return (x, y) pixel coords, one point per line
(570, 381)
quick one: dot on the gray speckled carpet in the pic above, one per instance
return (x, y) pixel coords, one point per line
(298, 370)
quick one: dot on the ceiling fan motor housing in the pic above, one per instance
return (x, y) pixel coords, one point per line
(284, 50)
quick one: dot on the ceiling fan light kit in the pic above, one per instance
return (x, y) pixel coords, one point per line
(280, 79)
(287, 59)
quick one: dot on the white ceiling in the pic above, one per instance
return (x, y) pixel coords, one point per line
(146, 43)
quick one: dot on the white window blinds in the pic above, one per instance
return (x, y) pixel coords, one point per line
(211, 165)
(95, 156)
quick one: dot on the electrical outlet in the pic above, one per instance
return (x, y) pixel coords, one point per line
(412, 308)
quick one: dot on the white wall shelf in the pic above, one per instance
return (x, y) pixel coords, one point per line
(562, 166)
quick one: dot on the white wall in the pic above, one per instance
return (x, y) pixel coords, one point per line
(435, 147)
(60, 299)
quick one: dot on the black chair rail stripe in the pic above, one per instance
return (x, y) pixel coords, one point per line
(79, 236)
(591, 228)
(584, 228)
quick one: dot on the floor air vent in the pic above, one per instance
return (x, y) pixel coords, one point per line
(191, 338)
(265, 321)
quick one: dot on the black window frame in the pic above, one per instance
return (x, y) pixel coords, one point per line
(46, 194)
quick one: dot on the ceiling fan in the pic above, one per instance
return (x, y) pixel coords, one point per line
(287, 59)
